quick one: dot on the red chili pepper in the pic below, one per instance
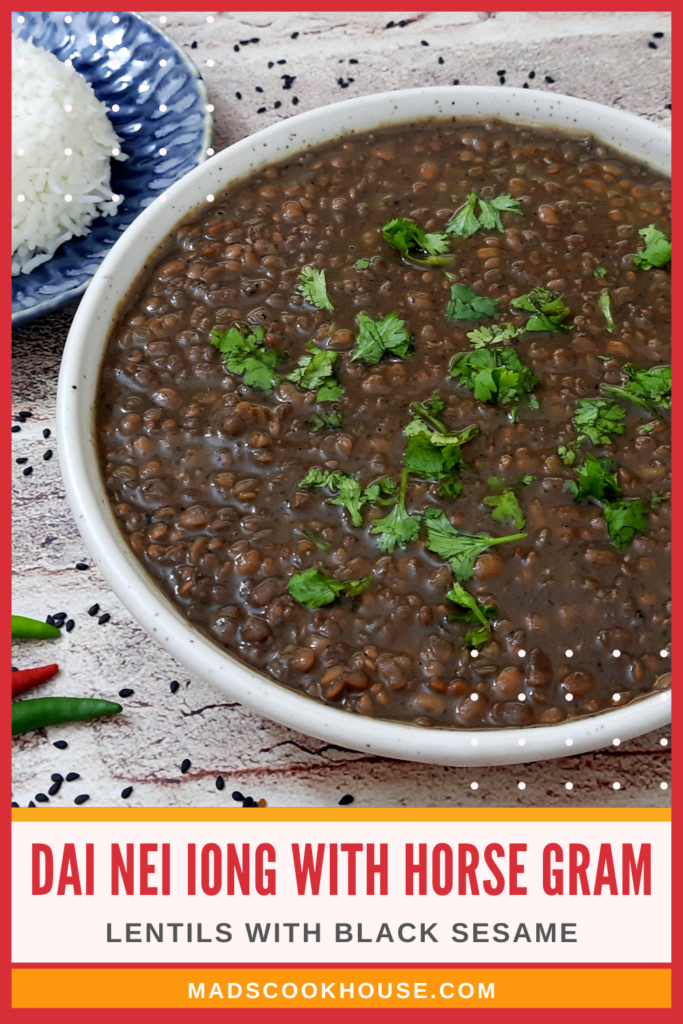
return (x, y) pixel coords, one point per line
(25, 678)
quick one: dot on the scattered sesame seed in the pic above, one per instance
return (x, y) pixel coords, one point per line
(42, 798)
(549, 80)
(667, 106)
(249, 802)
(348, 799)
(57, 777)
(220, 783)
(70, 625)
(456, 81)
(14, 803)
(525, 86)
(653, 46)
(271, 64)
(22, 460)
(295, 101)
(81, 798)
(47, 455)
(244, 42)
(193, 45)
(353, 60)
(93, 610)
(236, 48)
(256, 39)
(28, 471)
(261, 110)
(125, 793)
(390, 24)
(282, 62)
(294, 35)
(440, 60)
(658, 35)
(259, 89)
(503, 72)
(82, 565)
(238, 95)
(54, 788)
(186, 765)
(103, 618)
(50, 621)
(46, 432)
(288, 81)
(126, 692)
(237, 796)
(72, 776)
(501, 81)
(31, 803)
(532, 74)
(60, 744)
(175, 686)
(424, 42)
(16, 428)
(402, 24)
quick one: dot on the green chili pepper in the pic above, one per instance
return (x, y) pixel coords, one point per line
(41, 711)
(32, 629)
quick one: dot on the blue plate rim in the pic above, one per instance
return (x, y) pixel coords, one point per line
(22, 316)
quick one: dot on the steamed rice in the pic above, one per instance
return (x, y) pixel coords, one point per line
(56, 195)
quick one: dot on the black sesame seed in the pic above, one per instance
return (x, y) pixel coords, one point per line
(59, 615)
(238, 95)
(126, 692)
(658, 35)
(70, 625)
(238, 796)
(549, 80)
(255, 40)
(353, 60)
(389, 24)
(31, 803)
(501, 81)
(54, 788)
(440, 60)
(82, 565)
(348, 799)
(532, 74)
(220, 783)
(244, 42)
(261, 110)
(26, 413)
(50, 621)
(503, 72)
(60, 744)
(125, 793)
(81, 798)
(295, 101)
(525, 86)
(424, 42)
(72, 776)
(667, 106)
(259, 89)
(46, 432)
(42, 798)
(288, 81)
(16, 428)
(47, 455)
(294, 35)
(93, 610)
(249, 802)
(271, 64)
(193, 45)
(22, 460)
(57, 777)
(28, 470)
(456, 81)
(277, 105)
(236, 48)
(175, 686)
(14, 803)
(103, 618)
(282, 62)
(653, 46)
(14, 668)
(186, 765)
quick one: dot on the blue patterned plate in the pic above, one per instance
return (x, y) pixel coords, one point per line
(135, 69)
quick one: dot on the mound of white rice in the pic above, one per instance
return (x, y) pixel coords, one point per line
(62, 145)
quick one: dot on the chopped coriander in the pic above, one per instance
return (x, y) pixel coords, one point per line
(314, 372)
(382, 492)
(646, 428)
(465, 304)
(472, 611)
(313, 287)
(433, 451)
(494, 334)
(314, 538)
(398, 527)
(650, 389)
(466, 222)
(598, 419)
(375, 337)
(527, 479)
(314, 588)
(624, 519)
(405, 236)
(567, 452)
(599, 272)
(657, 499)
(328, 421)
(495, 375)
(594, 480)
(657, 251)
(243, 351)
(506, 506)
(460, 549)
(604, 305)
(362, 264)
(350, 494)
(548, 308)
(476, 638)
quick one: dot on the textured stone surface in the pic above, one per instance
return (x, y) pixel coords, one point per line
(600, 56)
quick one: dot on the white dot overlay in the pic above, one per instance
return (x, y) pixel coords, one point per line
(115, 152)
(521, 654)
(163, 19)
(474, 654)
(68, 152)
(474, 696)
(616, 785)
(162, 63)
(209, 63)
(569, 654)
(67, 198)
(663, 785)
(616, 742)
(163, 108)
(522, 743)
(569, 785)
(20, 152)
(569, 743)
(663, 654)
(210, 107)
(210, 152)
(210, 19)
(474, 785)
(115, 107)
(616, 654)
(20, 198)
(162, 152)
(521, 785)
(474, 743)
(162, 199)
(569, 696)
(21, 19)
(68, 19)
(209, 198)
(664, 741)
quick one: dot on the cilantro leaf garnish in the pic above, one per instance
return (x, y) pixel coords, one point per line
(315, 372)
(494, 374)
(382, 492)
(657, 251)
(506, 506)
(349, 491)
(599, 272)
(460, 549)
(399, 526)
(375, 337)
(471, 611)
(624, 519)
(328, 421)
(493, 335)
(650, 389)
(405, 236)
(433, 451)
(314, 538)
(362, 264)
(313, 287)
(548, 308)
(243, 351)
(598, 419)
(465, 304)
(657, 499)
(527, 479)
(604, 305)
(314, 588)
(594, 480)
(466, 222)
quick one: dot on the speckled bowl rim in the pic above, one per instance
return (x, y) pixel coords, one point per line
(114, 281)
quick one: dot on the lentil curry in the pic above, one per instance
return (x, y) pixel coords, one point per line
(390, 422)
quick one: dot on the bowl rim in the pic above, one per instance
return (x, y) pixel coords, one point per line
(54, 302)
(85, 489)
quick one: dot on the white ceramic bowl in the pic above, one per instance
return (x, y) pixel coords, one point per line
(116, 278)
